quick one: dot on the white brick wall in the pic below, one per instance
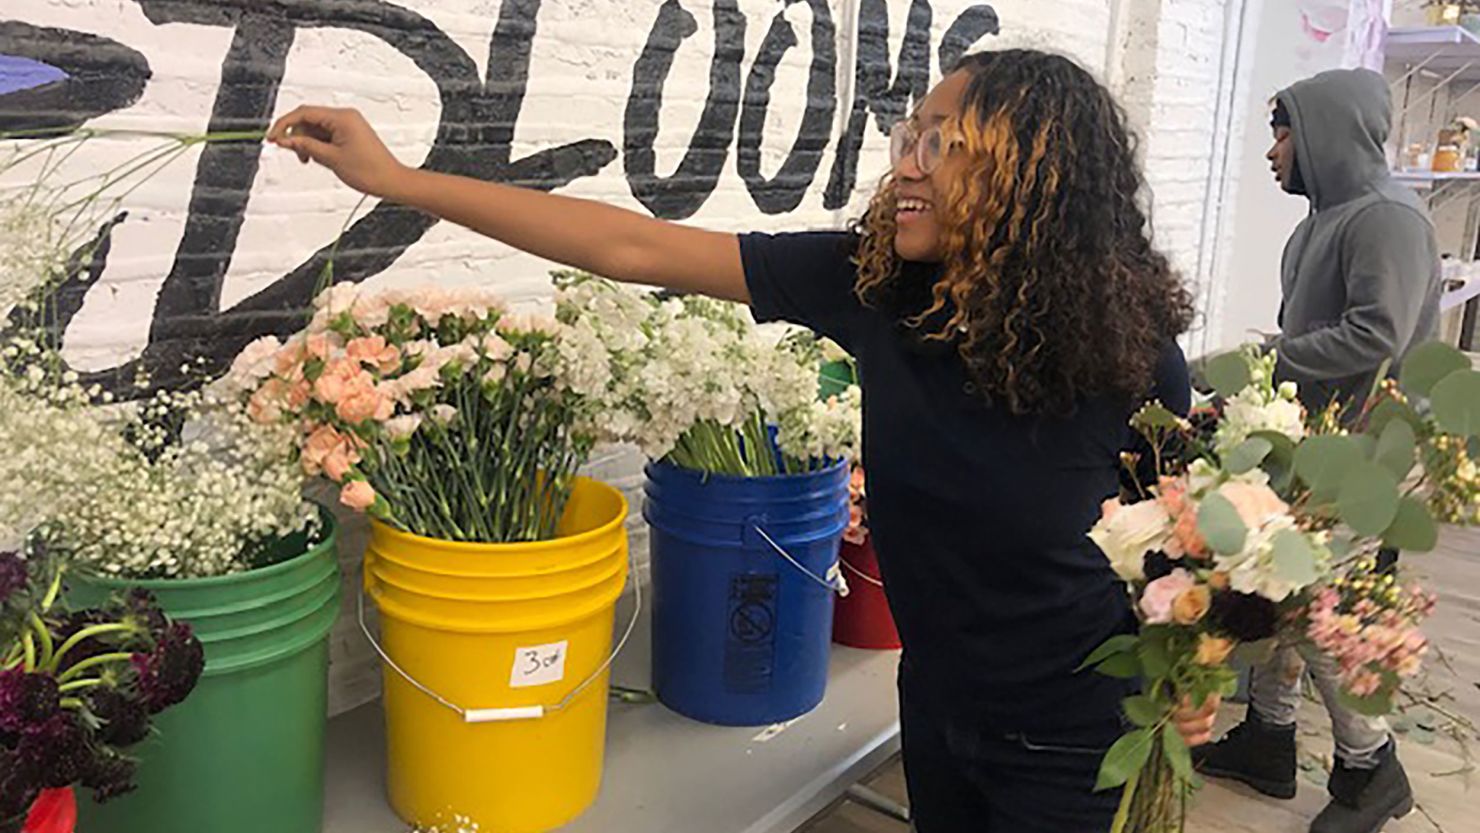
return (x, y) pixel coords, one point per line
(1163, 55)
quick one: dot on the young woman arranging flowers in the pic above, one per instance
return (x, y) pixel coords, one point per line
(1008, 314)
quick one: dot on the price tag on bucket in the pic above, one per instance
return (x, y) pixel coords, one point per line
(538, 665)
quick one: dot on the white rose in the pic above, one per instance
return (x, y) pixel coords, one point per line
(1126, 534)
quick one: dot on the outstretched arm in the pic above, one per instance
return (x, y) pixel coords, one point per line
(612, 242)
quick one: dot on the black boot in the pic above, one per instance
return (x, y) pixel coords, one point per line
(1254, 753)
(1364, 800)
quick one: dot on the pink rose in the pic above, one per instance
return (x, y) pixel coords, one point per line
(1256, 504)
(1161, 595)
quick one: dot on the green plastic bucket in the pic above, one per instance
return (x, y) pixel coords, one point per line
(245, 753)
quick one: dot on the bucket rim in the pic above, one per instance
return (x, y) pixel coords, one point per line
(328, 543)
(562, 542)
(822, 473)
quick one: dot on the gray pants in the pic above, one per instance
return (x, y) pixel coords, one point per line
(1275, 695)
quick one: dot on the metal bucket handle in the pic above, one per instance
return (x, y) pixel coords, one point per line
(514, 712)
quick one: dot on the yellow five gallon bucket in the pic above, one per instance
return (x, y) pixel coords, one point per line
(496, 665)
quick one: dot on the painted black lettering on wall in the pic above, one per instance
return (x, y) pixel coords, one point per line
(70, 77)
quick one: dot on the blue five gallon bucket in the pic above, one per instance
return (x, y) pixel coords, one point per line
(744, 571)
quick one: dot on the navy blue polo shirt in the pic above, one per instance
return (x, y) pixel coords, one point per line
(980, 517)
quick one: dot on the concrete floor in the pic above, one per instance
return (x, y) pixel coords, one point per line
(1437, 741)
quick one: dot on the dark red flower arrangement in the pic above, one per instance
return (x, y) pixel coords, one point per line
(78, 688)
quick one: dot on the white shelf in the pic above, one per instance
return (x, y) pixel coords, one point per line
(1442, 50)
(1461, 296)
(667, 774)
(1427, 179)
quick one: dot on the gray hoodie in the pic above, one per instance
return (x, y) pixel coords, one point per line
(1361, 275)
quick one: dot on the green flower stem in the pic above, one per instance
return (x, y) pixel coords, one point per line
(43, 635)
(72, 703)
(79, 685)
(91, 663)
(28, 644)
(88, 633)
(53, 591)
(1127, 797)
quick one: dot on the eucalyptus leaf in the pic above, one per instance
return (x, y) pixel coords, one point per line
(1294, 560)
(1413, 529)
(1396, 448)
(1280, 463)
(1388, 410)
(1229, 374)
(1368, 502)
(1456, 403)
(1247, 455)
(1220, 525)
(1323, 462)
(1427, 364)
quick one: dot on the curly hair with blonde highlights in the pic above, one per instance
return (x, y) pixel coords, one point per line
(1050, 288)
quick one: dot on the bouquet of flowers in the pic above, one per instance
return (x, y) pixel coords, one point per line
(438, 411)
(1262, 524)
(696, 383)
(77, 689)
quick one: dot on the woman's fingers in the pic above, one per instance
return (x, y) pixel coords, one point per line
(1195, 724)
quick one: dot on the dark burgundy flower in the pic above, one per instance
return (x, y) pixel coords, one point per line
(125, 719)
(1244, 616)
(17, 792)
(109, 775)
(14, 575)
(55, 753)
(169, 673)
(73, 623)
(140, 608)
(26, 699)
(1158, 565)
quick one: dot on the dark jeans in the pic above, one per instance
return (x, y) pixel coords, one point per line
(1387, 562)
(966, 779)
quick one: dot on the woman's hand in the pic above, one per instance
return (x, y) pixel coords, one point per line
(343, 142)
(1195, 725)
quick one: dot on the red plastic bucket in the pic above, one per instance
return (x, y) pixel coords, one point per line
(862, 619)
(54, 812)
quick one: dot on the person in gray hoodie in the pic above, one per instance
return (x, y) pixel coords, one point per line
(1361, 287)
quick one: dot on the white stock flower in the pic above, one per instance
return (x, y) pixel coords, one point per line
(1245, 415)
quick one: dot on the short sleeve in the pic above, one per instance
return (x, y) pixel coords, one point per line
(1173, 382)
(805, 279)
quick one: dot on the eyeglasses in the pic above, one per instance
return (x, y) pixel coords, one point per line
(929, 146)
